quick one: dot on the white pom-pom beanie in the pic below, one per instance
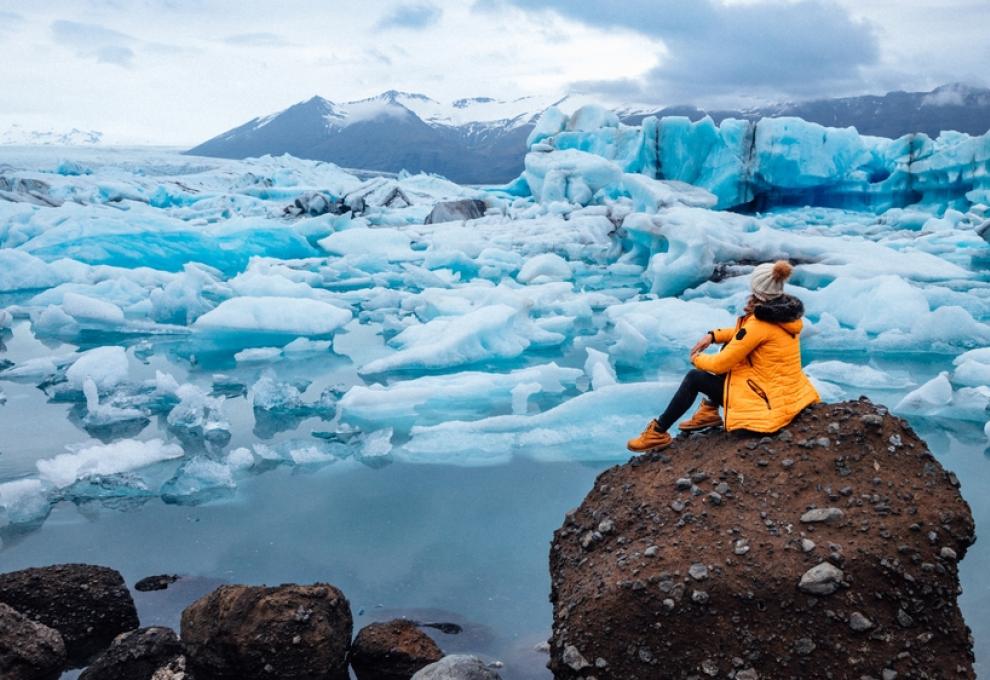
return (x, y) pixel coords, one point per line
(768, 279)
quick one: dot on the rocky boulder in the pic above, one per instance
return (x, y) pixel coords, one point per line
(88, 605)
(452, 211)
(289, 632)
(28, 650)
(828, 550)
(457, 667)
(136, 655)
(394, 650)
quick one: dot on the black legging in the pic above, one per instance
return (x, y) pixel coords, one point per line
(695, 381)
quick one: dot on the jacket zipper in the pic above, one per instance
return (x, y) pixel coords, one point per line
(759, 391)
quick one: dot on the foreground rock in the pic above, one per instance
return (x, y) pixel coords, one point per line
(288, 632)
(457, 667)
(28, 650)
(394, 650)
(136, 655)
(697, 564)
(88, 605)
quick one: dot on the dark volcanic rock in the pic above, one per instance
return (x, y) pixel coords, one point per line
(289, 632)
(457, 667)
(160, 582)
(866, 594)
(28, 650)
(392, 651)
(449, 211)
(88, 605)
(135, 655)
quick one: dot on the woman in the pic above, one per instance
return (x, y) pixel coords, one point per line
(757, 376)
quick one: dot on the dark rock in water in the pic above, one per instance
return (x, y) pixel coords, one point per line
(160, 582)
(872, 592)
(288, 632)
(135, 655)
(5, 364)
(445, 628)
(28, 650)
(392, 651)
(88, 605)
(451, 211)
(457, 667)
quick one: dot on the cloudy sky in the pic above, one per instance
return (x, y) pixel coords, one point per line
(180, 71)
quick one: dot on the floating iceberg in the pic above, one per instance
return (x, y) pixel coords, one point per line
(23, 501)
(126, 455)
(274, 315)
(491, 332)
(449, 396)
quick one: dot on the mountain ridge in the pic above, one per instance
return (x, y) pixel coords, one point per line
(483, 140)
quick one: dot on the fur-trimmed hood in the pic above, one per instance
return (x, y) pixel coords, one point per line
(783, 309)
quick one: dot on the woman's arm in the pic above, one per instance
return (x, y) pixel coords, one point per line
(746, 339)
(722, 335)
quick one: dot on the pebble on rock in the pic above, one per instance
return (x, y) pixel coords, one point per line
(819, 515)
(823, 579)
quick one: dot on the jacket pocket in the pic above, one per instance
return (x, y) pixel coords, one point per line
(760, 392)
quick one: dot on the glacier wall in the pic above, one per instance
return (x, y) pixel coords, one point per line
(774, 162)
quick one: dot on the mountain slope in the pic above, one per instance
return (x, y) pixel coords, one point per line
(483, 140)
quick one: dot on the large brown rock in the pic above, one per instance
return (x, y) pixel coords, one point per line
(88, 605)
(28, 650)
(289, 632)
(394, 650)
(828, 551)
(136, 655)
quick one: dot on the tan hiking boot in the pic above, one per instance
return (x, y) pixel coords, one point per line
(650, 440)
(706, 416)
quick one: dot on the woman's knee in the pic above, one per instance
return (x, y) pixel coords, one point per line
(694, 376)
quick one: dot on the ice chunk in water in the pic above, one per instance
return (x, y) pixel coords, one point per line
(240, 459)
(448, 396)
(377, 444)
(856, 375)
(105, 459)
(6, 319)
(199, 415)
(106, 366)
(591, 426)
(268, 394)
(102, 416)
(275, 315)
(491, 332)
(929, 398)
(305, 345)
(545, 268)
(198, 480)
(972, 367)
(258, 354)
(389, 244)
(520, 397)
(85, 308)
(23, 501)
(599, 369)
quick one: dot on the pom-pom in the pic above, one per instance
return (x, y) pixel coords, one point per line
(781, 270)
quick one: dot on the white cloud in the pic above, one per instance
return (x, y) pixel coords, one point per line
(193, 68)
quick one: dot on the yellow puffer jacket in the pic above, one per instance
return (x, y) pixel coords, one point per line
(765, 386)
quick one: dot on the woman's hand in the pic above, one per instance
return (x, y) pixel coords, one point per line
(702, 344)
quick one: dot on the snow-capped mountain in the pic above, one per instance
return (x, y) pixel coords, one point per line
(21, 136)
(482, 140)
